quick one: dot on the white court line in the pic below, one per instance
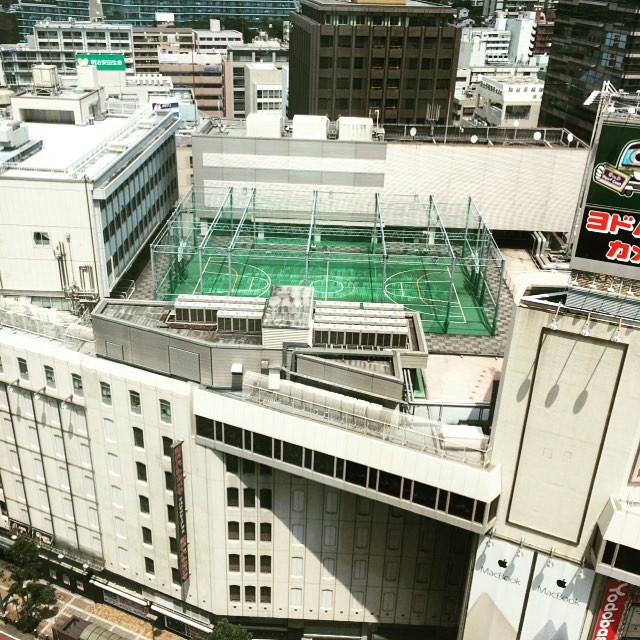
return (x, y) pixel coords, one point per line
(455, 290)
(204, 270)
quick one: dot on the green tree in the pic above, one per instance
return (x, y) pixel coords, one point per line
(225, 630)
(31, 595)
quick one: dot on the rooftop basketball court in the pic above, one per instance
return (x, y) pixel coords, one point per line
(436, 258)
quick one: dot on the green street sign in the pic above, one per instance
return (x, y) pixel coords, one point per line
(101, 61)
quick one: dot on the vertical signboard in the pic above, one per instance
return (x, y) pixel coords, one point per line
(613, 604)
(498, 590)
(177, 469)
(557, 600)
(608, 239)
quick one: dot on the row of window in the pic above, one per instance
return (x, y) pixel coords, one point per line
(135, 403)
(249, 498)
(351, 472)
(233, 531)
(249, 594)
(249, 563)
(328, 62)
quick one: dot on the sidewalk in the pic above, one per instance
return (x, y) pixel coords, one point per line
(71, 604)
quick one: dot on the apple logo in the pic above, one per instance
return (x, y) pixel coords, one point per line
(502, 564)
(562, 583)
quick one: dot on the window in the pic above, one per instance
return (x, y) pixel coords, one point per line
(265, 595)
(249, 530)
(295, 597)
(265, 564)
(77, 385)
(138, 437)
(165, 411)
(1, 367)
(233, 530)
(173, 546)
(297, 531)
(330, 533)
(249, 594)
(166, 446)
(168, 480)
(49, 376)
(298, 501)
(234, 593)
(297, 565)
(141, 470)
(175, 576)
(250, 563)
(144, 504)
(233, 499)
(23, 369)
(146, 535)
(105, 392)
(41, 239)
(234, 562)
(249, 498)
(265, 499)
(265, 532)
(360, 569)
(149, 566)
(171, 513)
(328, 567)
(134, 402)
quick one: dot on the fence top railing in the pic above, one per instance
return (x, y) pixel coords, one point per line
(366, 418)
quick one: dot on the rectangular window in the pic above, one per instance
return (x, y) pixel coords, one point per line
(233, 498)
(41, 239)
(234, 593)
(141, 470)
(265, 595)
(297, 565)
(249, 594)
(296, 597)
(134, 401)
(297, 502)
(265, 499)
(330, 533)
(265, 532)
(149, 566)
(173, 546)
(49, 376)
(171, 513)
(165, 411)
(138, 437)
(166, 446)
(250, 563)
(175, 576)
(360, 569)
(23, 369)
(168, 480)
(121, 527)
(297, 531)
(77, 385)
(144, 504)
(326, 599)
(265, 564)
(233, 530)
(105, 393)
(146, 535)
(249, 498)
(249, 530)
(234, 562)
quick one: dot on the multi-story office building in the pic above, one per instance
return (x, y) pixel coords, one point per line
(215, 39)
(57, 43)
(395, 59)
(592, 43)
(153, 44)
(29, 13)
(92, 185)
(261, 50)
(144, 14)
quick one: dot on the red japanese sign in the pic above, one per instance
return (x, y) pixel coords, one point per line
(611, 610)
(181, 511)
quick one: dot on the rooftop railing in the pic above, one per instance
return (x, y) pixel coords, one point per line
(366, 418)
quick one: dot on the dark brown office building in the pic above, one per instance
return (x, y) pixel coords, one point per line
(397, 60)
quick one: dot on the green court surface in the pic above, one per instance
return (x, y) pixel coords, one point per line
(447, 302)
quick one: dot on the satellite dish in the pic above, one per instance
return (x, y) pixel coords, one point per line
(474, 139)
(570, 138)
(537, 135)
(516, 123)
(412, 132)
